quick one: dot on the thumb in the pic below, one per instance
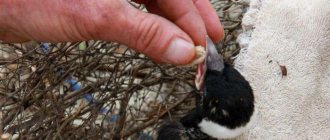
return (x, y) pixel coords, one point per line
(156, 37)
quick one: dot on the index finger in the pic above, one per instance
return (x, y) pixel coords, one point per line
(211, 19)
(184, 14)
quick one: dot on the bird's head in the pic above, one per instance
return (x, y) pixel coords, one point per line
(213, 61)
(227, 102)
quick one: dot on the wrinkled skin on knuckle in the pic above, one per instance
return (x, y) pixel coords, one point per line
(102, 22)
(150, 39)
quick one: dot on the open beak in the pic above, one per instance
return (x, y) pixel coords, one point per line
(213, 61)
(200, 75)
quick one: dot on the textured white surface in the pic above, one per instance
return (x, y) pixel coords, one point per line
(295, 34)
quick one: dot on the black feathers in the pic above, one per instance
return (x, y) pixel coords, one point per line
(192, 119)
(228, 99)
(172, 130)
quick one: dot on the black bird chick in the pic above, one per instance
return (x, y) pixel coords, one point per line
(173, 130)
(226, 108)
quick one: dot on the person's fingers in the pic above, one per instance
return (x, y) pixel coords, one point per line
(211, 19)
(151, 6)
(10, 37)
(152, 35)
(184, 14)
(160, 39)
(206, 11)
(109, 20)
(141, 1)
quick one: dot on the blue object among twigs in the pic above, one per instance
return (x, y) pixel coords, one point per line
(75, 86)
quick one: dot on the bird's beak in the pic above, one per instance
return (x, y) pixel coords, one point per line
(200, 75)
(213, 61)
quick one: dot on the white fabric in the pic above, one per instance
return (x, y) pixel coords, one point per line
(294, 34)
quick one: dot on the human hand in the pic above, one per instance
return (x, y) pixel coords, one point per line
(167, 34)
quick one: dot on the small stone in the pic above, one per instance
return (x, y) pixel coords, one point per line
(33, 68)
(235, 11)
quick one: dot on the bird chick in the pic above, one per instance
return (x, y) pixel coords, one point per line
(226, 107)
(227, 102)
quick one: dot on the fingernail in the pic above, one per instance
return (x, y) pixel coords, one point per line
(179, 52)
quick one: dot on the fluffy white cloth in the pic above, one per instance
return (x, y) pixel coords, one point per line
(296, 35)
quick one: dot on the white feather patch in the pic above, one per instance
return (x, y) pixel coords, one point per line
(218, 131)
